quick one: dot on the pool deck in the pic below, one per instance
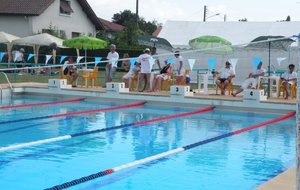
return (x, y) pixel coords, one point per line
(284, 181)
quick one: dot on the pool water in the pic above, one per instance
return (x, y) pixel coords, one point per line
(242, 161)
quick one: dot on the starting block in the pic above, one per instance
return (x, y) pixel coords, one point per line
(116, 87)
(58, 83)
(180, 91)
(253, 95)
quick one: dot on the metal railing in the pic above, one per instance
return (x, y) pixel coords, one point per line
(11, 88)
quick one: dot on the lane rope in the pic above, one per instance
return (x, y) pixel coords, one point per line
(60, 138)
(75, 113)
(164, 154)
(42, 103)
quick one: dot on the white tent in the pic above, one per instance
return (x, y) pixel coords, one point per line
(38, 40)
(178, 33)
(7, 39)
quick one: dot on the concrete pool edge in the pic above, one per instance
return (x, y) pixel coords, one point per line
(222, 102)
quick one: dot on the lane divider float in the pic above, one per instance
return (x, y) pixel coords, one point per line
(164, 154)
(75, 113)
(65, 137)
(42, 103)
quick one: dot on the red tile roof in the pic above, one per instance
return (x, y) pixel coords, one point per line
(157, 31)
(37, 7)
(110, 25)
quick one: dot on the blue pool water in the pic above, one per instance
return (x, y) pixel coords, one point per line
(241, 161)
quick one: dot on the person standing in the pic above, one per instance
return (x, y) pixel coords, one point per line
(70, 70)
(111, 65)
(226, 74)
(178, 68)
(145, 73)
(155, 57)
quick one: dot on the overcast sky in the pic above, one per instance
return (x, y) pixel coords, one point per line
(192, 10)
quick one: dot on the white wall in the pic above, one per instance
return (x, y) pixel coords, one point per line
(76, 22)
(16, 25)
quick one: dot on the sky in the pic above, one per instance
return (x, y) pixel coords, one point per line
(193, 10)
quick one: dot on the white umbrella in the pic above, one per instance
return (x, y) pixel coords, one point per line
(7, 39)
(38, 40)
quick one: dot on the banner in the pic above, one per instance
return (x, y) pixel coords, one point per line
(97, 60)
(279, 59)
(114, 62)
(191, 63)
(2, 55)
(233, 62)
(132, 62)
(256, 61)
(211, 63)
(170, 60)
(79, 58)
(48, 57)
(62, 58)
(30, 56)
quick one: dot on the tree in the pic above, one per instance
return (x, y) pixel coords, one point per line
(288, 18)
(134, 27)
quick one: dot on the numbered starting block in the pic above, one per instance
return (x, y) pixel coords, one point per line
(180, 91)
(58, 83)
(253, 95)
(116, 87)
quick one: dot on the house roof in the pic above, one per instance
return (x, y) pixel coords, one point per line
(37, 7)
(24, 7)
(157, 31)
(235, 32)
(110, 25)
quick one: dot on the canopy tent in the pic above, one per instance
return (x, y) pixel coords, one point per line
(38, 40)
(7, 39)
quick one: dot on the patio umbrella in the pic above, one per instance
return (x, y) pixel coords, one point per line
(38, 40)
(212, 44)
(85, 42)
(7, 39)
(157, 42)
(270, 42)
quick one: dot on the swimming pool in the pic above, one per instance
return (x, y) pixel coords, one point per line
(242, 161)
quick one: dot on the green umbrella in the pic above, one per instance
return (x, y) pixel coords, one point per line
(157, 42)
(85, 42)
(211, 44)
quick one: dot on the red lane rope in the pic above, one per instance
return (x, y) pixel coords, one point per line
(175, 116)
(99, 110)
(163, 155)
(265, 123)
(42, 103)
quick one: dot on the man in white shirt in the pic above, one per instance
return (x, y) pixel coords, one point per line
(252, 79)
(154, 55)
(288, 78)
(178, 69)
(145, 73)
(226, 74)
(111, 66)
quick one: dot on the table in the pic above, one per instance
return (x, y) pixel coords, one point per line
(203, 80)
(272, 79)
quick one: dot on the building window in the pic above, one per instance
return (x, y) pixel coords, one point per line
(75, 34)
(65, 7)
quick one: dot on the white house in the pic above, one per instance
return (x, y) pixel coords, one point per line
(70, 18)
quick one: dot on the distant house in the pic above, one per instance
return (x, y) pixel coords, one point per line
(70, 18)
(111, 28)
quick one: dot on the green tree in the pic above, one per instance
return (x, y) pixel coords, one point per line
(134, 27)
